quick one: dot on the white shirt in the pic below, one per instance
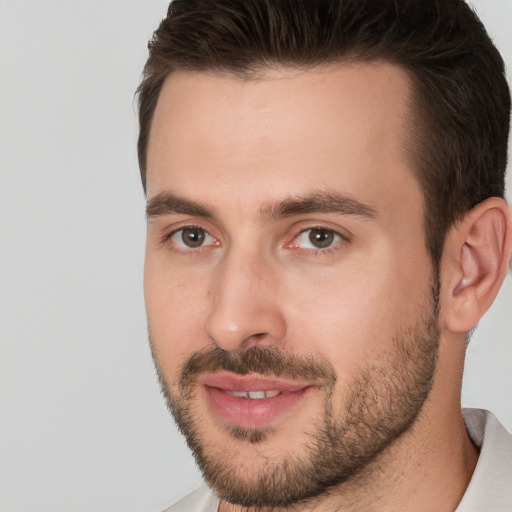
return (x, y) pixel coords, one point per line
(490, 488)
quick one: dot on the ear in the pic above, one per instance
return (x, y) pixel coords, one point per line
(475, 260)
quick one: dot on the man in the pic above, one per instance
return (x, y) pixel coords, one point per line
(326, 225)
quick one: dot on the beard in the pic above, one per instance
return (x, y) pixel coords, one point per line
(379, 405)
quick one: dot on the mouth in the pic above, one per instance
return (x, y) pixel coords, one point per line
(251, 401)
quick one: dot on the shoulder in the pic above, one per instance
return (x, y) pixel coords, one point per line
(490, 487)
(201, 500)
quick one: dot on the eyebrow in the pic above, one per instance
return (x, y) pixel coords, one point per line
(167, 203)
(321, 202)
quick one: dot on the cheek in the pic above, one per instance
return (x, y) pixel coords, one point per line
(353, 317)
(176, 308)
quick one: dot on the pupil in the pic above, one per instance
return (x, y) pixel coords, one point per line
(193, 237)
(321, 238)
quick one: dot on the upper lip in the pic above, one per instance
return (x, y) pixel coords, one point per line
(251, 382)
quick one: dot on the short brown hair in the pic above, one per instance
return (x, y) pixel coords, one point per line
(458, 136)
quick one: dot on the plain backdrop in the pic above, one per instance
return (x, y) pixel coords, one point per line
(83, 427)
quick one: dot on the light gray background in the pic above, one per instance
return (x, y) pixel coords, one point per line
(83, 426)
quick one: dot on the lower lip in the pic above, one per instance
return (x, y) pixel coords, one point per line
(249, 413)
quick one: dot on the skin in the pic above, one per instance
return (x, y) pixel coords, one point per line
(237, 147)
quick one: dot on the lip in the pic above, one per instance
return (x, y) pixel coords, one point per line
(251, 413)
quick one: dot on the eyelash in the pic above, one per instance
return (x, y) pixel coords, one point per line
(335, 245)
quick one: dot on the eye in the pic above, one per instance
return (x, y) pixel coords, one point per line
(317, 238)
(191, 238)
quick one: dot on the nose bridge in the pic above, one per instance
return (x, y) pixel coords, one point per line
(244, 309)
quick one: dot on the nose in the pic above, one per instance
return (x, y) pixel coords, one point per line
(245, 308)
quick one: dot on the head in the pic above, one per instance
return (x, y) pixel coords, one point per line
(305, 162)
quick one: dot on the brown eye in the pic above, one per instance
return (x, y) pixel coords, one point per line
(317, 239)
(193, 237)
(321, 238)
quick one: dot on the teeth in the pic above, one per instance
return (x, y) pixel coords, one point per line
(239, 394)
(254, 395)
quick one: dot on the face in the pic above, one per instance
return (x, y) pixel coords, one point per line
(288, 288)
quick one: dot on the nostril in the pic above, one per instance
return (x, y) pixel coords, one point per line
(255, 339)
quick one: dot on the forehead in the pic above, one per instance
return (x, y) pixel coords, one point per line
(287, 132)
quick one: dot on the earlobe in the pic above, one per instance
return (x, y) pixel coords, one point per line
(476, 259)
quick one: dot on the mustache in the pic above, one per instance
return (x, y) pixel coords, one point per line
(267, 361)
